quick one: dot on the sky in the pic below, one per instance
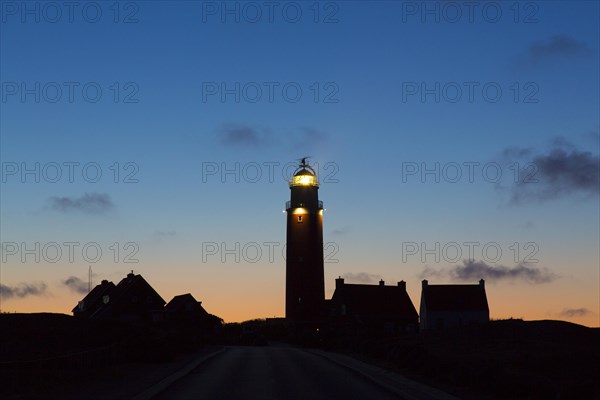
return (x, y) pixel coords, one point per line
(453, 141)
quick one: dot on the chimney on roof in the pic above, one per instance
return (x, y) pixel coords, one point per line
(402, 285)
(482, 283)
(381, 283)
(104, 282)
(339, 282)
(131, 274)
(424, 283)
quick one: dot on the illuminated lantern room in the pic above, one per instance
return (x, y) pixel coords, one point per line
(305, 176)
(304, 187)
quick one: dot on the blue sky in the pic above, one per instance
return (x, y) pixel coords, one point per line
(363, 131)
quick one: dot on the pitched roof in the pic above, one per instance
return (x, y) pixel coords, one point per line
(455, 297)
(96, 294)
(181, 300)
(126, 284)
(374, 300)
(130, 281)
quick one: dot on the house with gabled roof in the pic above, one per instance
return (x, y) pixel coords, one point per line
(94, 300)
(184, 308)
(378, 309)
(447, 306)
(184, 311)
(133, 299)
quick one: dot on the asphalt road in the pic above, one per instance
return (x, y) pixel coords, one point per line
(286, 373)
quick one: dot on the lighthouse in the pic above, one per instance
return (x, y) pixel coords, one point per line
(304, 278)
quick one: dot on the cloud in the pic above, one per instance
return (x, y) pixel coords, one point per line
(575, 312)
(76, 284)
(340, 231)
(563, 171)
(557, 46)
(89, 203)
(472, 270)
(361, 277)
(22, 290)
(562, 143)
(244, 136)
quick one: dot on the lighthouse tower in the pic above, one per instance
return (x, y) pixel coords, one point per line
(305, 282)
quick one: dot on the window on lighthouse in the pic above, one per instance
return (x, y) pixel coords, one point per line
(299, 218)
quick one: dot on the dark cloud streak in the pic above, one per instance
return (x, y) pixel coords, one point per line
(557, 174)
(76, 285)
(562, 171)
(244, 136)
(575, 312)
(89, 203)
(472, 270)
(557, 46)
(23, 290)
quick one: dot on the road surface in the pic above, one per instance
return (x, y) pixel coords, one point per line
(286, 373)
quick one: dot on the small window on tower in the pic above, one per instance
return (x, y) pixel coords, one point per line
(299, 218)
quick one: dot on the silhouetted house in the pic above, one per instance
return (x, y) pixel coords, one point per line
(133, 299)
(94, 300)
(445, 306)
(374, 309)
(185, 308)
(186, 314)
